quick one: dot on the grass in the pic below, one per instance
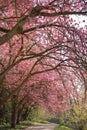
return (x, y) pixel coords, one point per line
(43, 122)
(22, 125)
(62, 128)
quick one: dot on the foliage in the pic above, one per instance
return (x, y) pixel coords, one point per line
(62, 128)
(26, 55)
(43, 122)
(38, 115)
(5, 112)
(85, 127)
(22, 125)
(76, 117)
(40, 48)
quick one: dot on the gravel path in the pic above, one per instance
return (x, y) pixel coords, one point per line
(42, 127)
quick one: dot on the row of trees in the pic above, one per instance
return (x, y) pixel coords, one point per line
(42, 54)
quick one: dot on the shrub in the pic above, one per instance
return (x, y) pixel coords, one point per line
(61, 127)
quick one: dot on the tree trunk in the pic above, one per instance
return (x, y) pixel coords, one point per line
(80, 128)
(19, 115)
(13, 118)
(14, 111)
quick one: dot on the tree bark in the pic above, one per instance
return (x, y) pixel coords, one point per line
(19, 115)
(14, 111)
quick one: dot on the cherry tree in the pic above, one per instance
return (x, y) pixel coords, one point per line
(44, 91)
(38, 37)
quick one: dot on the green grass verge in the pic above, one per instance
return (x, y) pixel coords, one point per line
(62, 128)
(22, 125)
(43, 121)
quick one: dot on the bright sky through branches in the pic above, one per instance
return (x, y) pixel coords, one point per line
(80, 20)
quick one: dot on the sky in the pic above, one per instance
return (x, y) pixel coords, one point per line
(81, 20)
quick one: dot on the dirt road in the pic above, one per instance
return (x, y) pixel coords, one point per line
(42, 127)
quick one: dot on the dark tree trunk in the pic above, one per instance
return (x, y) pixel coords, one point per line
(80, 128)
(19, 115)
(14, 111)
(25, 114)
(13, 119)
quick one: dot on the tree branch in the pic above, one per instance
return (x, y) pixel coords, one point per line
(63, 13)
(36, 11)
